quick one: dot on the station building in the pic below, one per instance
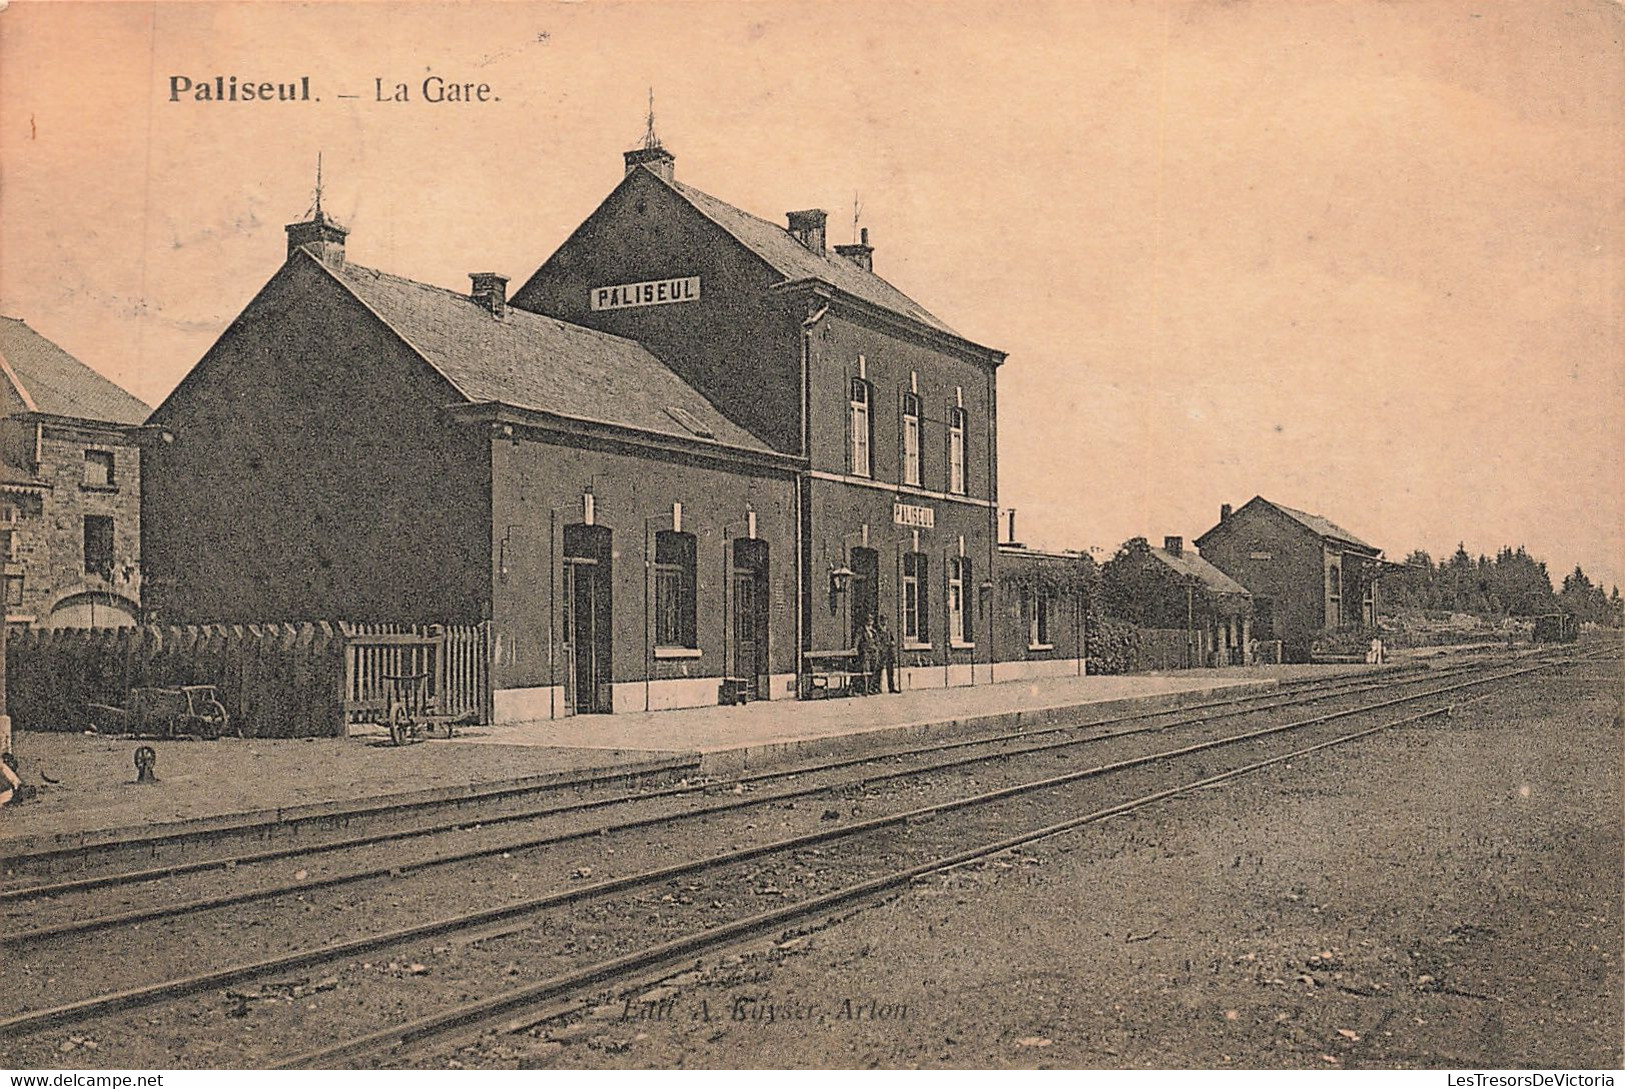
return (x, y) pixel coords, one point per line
(682, 464)
(892, 414)
(1307, 575)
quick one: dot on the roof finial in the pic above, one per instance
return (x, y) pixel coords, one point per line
(650, 140)
(315, 211)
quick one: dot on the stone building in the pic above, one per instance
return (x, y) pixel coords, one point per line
(683, 463)
(70, 488)
(891, 414)
(1307, 575)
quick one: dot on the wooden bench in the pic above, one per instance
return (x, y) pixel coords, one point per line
(833, 672)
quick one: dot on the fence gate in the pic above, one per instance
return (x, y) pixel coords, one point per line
(456, 659)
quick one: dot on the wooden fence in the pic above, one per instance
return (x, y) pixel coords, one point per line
(456, 659)
(275, 680)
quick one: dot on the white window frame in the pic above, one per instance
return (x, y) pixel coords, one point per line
(956, 450)
(911, 439)
(676, 605)
(100, 458)
(861, 416)
(1038, 633)
(911, 633)
(956, 600)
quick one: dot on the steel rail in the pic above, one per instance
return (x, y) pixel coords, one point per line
(149, 993)
(464, 1016)
(396, 869)
(1337, 687)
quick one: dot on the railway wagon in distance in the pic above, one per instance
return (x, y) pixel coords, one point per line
(1556, 628)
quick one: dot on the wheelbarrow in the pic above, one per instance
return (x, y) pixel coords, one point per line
(188, 711)
(413, 714)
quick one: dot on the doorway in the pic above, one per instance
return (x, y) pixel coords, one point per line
(748, 630)
(587, 620)
(865, 589)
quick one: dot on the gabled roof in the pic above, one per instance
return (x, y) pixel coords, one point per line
(1191, 565)
(779, 249)
(533, 362)
(39, 376)
(1323, 528)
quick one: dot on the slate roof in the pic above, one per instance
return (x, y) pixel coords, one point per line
(1321, 527)
(533, 362)
(779, 248)
(40, 377)
(1190, 564)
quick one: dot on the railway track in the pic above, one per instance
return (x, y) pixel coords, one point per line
(557, 928)
(27, 929)
(336, 825)
(22, 885)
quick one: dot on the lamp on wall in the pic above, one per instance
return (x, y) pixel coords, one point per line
(840, 574)
(840, 579)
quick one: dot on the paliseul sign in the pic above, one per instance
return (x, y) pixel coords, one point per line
(905, 514)
(647, 293)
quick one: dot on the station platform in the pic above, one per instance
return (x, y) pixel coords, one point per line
(759, 735)
(87, 793)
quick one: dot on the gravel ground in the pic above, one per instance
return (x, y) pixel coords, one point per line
(1447, 895)
(95, 786)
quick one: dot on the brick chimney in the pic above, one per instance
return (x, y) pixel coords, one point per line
(808, 228)
(322, 236)
(1224, 511)
(859, 253)
(1174, 546)
(656, 158)
(490, 291)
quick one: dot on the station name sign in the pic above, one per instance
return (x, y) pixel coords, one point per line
(648, 293)
(905, 514)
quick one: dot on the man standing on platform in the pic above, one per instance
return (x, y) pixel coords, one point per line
(869, 658)
(886, 645)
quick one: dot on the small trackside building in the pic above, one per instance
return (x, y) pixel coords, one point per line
(363, 447)
(70, 488)
(1307, 575)
(890, 414)
(1040, 613)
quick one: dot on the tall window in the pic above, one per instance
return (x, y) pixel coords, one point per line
(98, 545)
(8, 545)
(911, 439)
(959, 612)
(1334, 588)
(916, 607)
(674, 590)
(99, 469)
(862, 398)
(956, 450)
(14, 589)
(1038, 620)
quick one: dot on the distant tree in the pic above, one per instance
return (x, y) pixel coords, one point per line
(1128, 584)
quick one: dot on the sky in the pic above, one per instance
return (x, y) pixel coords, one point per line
(1362, 258)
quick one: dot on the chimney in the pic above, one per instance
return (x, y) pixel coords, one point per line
(1224, 511)
(859, 253)
(1174, 546)
(654, 157)
(490, 291)
(322, 236)
(808, 228)
(1012, 513)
